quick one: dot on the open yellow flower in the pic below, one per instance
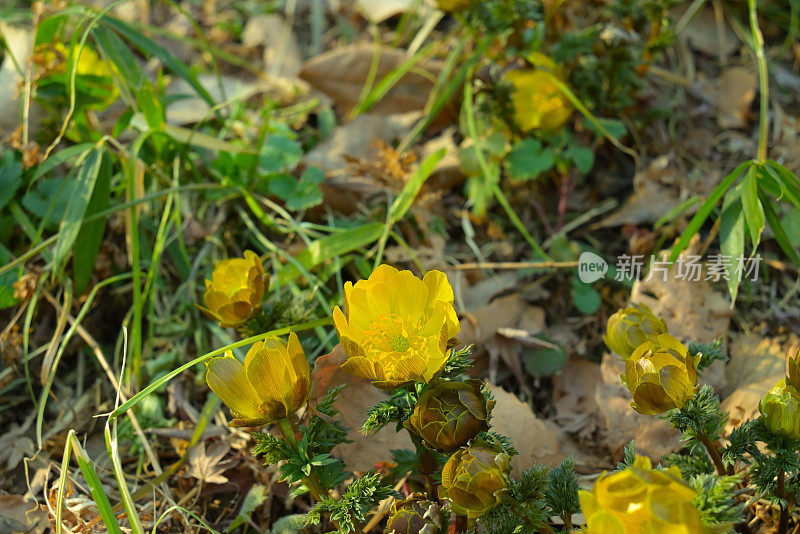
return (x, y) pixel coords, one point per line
(235, 290)
(395, 327)
(537, 101)
(641, 500)
(272, 384)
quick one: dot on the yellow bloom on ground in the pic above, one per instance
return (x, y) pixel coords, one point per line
(235, 290)
(452, 5)
(395, 327)
(272, 384)
(536, 98)
(661, 375)
(641, 500)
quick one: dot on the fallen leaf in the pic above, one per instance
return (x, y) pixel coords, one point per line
(342, 73)
(23, 516)
(376, 11)
(207, 465)
(691, 309)
(281, 52)
(18, 46)
(354, 400)
(654, 437)
(479, 325)
(731, 94)
(534, 438)
(756, 364)
(708, 35)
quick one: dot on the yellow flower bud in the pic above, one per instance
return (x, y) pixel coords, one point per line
(537, 100)
(452, 5)
(661, 375)
(630, 327)
(235, 290)
(474, 479)
(272, 384)
(395, 327)
(780, 409)
(450, 414)
(641, 499)
(414, 515)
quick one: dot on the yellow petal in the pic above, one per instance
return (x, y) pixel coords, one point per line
(270, 371)
(298, 358)
(227, 378)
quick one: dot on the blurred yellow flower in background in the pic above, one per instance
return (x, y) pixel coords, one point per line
(395, 327)
(661, 375)
(235, 290)
(537, 101)
(272, 384)
(452, 5)
(641, 500)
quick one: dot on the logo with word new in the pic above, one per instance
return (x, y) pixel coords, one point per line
(591, 267)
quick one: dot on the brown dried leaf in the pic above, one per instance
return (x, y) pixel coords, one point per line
(341, 74)
(20, 515)
(358, 395)
(207, 465)
(480, 325)
(534, 438)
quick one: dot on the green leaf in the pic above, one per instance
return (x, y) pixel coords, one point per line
(753, 211)
(87, 244)
(120, 55)
(545, 361)
(585, 297)
(331, 246)
(49, 200)
(10, 177)
(528, 159)
(279, 154)
(790, 185)
(154, 49)
(298, 194)
(581, 156)
(731, 239)
(7, 280)
(705, 210)
(406, 197)
(76, 207)
(615, 128)
(791, 223)
(255, 497)
(780, 233)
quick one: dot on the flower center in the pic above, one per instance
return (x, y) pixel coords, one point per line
(400, 343)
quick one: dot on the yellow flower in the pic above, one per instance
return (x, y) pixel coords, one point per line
(536, 98)
(630, 327)
(272, 384)
(97, 74)
(452, 5)
(395, 327)
(641, 500)
(780, 409)
(235, 290)
(661, 375)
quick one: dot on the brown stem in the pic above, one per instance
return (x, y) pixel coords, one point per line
(462, 523)
(713, 451)
(783, 525)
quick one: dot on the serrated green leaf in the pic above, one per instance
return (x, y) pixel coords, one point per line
(753, 210)
(581, 156)
(731, 239)
(528, 159)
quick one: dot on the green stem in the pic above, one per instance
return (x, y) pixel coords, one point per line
(311, 482)
(758, 47)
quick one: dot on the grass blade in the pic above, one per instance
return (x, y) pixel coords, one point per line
(96, 487)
